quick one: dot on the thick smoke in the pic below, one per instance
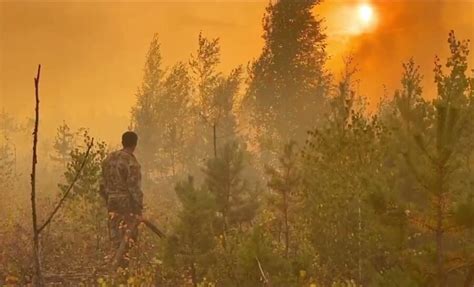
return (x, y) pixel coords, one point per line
(405, 29)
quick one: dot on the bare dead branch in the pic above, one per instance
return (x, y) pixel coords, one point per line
(37, 278)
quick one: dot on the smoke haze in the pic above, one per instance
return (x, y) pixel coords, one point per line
(93, 53)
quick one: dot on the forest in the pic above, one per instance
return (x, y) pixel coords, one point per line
(275, 173)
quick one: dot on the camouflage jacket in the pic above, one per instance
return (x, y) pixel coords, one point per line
(121, 177)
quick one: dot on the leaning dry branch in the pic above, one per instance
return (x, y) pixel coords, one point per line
(37, 278)
(70, 187)
(153, 228)
(266, 282)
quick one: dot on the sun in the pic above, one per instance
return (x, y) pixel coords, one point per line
(366, 13)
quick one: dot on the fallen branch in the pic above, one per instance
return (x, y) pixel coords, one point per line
(266, 282)
(70, 187)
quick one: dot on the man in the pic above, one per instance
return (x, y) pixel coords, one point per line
(121, 188)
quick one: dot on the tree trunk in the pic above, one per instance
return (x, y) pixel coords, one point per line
(214, 139)
(440, 273)
(287, 231)
(37, 277)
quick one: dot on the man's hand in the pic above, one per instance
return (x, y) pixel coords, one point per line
(102, 192)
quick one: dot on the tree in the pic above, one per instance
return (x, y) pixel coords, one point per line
(235, 201)
(435, 152)
(144, 120)
(204, 70)
(8, 123)
(190, 249)
(7, 169)
(36, 228)
(63, 144)
(288, 80)
(88, 185)
(224, 100)
(340, 169)
(7, 153)
(236, 204)
(429, 157)
(284, 183)
(174, 137)
(215, 94)
(174, 116)
(84, 216)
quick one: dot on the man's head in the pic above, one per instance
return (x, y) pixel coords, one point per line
(129, 140)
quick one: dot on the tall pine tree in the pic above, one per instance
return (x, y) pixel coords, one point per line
(341, 166)
(235, 200)
(430, 159)
(284, 183)
(173, 114)
(190, 250)
(144, 120)
(288, 80)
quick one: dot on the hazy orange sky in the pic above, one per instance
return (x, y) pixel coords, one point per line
(93, 52)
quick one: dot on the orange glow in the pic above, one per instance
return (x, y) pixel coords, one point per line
(365, 19)
(366, 13)
(98, 68)
(351, 18)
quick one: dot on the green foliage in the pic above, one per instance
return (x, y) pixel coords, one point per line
(215, 96)
(83, 220)
(283, 199)
(395, 277)
(144, 119)
(256, 247)
(172, 111)
(204, 70)
(88, 184)
(432, 169)
(179, 107)
(381, 199)
(8, 124)
(63, 145)
(235, 200)
(189, 251)
(288, 80)
(341, 169)
(225, 96)
(7, 165)
(7, 154)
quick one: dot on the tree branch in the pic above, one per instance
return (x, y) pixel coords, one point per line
(68, 190)
(266, 282)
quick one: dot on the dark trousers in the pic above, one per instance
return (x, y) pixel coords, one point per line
(123, 226)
